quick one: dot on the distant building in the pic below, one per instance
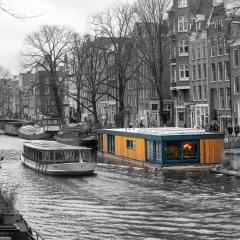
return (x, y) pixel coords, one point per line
(198, 62)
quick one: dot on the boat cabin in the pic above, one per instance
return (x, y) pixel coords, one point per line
(164, 146)
(52, 152)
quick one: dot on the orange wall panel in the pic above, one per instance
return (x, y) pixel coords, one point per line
(121, 148)
(105, 143)
(211, 151)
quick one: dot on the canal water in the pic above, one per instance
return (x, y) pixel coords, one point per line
(124, 203)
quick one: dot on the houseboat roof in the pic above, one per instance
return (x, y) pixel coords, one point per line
(163, 133)
(51, 145)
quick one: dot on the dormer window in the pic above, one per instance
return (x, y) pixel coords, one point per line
(182, 3)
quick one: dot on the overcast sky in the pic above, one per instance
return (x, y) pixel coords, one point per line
(74, 13)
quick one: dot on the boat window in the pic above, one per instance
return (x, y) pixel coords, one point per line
(86, 156)
(59, 156)
(51, 155)
(46, 156)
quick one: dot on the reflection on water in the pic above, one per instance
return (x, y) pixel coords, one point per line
(127, 203)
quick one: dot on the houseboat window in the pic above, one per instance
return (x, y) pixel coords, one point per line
(150, 150)
(111, 143)
(131, 144)
(189, 150)
(173, 151)
(158, 151)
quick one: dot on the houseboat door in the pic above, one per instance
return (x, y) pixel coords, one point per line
(153, 151)
(111, 144)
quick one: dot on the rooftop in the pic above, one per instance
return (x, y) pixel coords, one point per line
(161, 131)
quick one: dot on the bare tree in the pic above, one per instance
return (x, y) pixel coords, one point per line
(117, 25)
(153, 42)
(90, 74)
(47, 49)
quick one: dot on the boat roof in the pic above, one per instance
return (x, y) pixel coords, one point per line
(52, 145)
(161, 133)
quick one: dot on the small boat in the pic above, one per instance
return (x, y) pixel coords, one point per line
(78, 135)
(53, 158)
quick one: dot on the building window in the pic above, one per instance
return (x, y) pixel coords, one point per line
(194, 93)
(198, 51)
(184, 72)
(204, 50)
(236, 85)
(204, 71)
(154, 107)
(221, 98)
(193, 52)
(183, 48)
(173, 73)
(199, 92)
(213, 48)
(46, 90)
(198, 25)
(154, 91)
(220, 71)
(182, 3)
(226, 68)
(220, 47)
(205, 92)
(214, 73)
(172, 51)
(193, 72)
(199, 72)
(225, 46)
(228, 98)
(131, 144)
(182, 24)
(235, 58)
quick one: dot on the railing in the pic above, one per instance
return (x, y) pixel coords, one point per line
(35, 235)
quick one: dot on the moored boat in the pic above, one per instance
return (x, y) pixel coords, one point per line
(42, 129)
(52, 158)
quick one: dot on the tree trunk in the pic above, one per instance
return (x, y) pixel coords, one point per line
(79, 114)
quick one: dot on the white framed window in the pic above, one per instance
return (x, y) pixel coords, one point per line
(213, 48)
(198, 51)
(194, 93)
(220, 71)
(236, 85)
(220, 47)
(204, 49)
(235, 58)
(193, 72)
(46, 90)
(193, 52)
(221, 98)
(199, 72)
(182, 3)
(199, 92)
(204, 71)
(205, 97)
(183, 47)
(214, 72)
(183, 72)
(173, 72)
(226, 71)
(182, 24)
(228, 98)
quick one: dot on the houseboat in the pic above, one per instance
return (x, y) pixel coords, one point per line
(40, 130)
(163, 146)
(54, 158)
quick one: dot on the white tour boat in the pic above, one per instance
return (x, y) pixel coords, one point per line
(55, 158)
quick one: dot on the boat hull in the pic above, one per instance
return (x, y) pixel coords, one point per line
(61, 169)
(40, 136)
